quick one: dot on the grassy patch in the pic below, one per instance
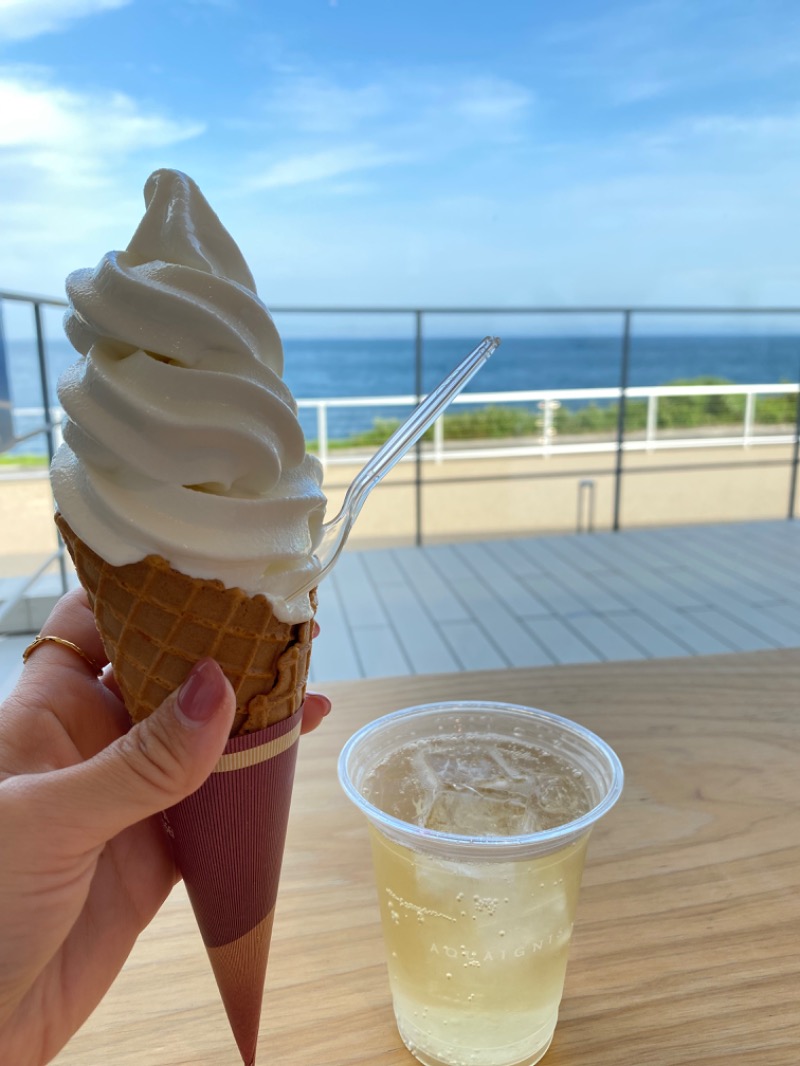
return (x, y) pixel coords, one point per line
(33, 462)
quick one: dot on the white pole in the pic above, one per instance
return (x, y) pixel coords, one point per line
(322, 433)
(438, 439)
(652, 419)
(749, 417)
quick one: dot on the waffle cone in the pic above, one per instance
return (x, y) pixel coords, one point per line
(156, 622)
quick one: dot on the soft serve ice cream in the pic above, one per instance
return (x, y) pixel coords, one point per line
(181, 439)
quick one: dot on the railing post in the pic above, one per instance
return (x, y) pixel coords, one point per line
(795, 455)
(623, 391)
(586, 487)
(548, 408)
(418, 384)
(438, 439)
(6, 419)
(44, 380)
(652, 419)
(749, 417)
(322, 433)
(48, 418)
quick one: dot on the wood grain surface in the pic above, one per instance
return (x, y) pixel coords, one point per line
(687, 944)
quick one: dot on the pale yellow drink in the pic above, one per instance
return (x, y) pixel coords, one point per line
(478, 860)
(476, 951)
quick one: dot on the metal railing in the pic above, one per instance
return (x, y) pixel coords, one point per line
(48, 429)
(547, 442)
(622, 391)
(620, 441)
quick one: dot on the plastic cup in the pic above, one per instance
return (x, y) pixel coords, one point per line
(478, 843)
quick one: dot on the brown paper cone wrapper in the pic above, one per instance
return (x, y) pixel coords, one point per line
(228, 839)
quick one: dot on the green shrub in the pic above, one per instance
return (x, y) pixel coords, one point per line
(32, 461)
(772, 410)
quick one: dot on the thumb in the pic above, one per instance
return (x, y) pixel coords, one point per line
(159, 762)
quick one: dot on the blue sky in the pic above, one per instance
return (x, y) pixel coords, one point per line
(421, 152)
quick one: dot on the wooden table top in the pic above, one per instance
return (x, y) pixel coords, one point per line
(686, 947)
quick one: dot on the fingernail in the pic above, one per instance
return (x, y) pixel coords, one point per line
(324, 701)
(201, 693)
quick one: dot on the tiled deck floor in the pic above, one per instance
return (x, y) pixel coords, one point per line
(637, 594)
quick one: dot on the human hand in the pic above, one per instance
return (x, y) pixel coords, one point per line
(84, 866)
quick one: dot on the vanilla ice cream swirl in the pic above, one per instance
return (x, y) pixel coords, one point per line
(181, 438)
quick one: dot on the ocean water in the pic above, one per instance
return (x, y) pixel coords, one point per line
(318, 368)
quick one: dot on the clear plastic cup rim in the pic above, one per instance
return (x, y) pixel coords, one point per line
(544, 840)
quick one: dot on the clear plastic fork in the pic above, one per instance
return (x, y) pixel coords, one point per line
(336, 532)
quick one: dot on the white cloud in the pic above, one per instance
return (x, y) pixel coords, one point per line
(697, 210)
(315, 105)
(65, 164)
(323, 130)
(448, 187)
(723, 143)
(635, 52)
(492, 101)
(21, 19)
(41, 118)
(780, 127)
(636, 90)
(629, 27)
(320, 166)
(223, 5)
